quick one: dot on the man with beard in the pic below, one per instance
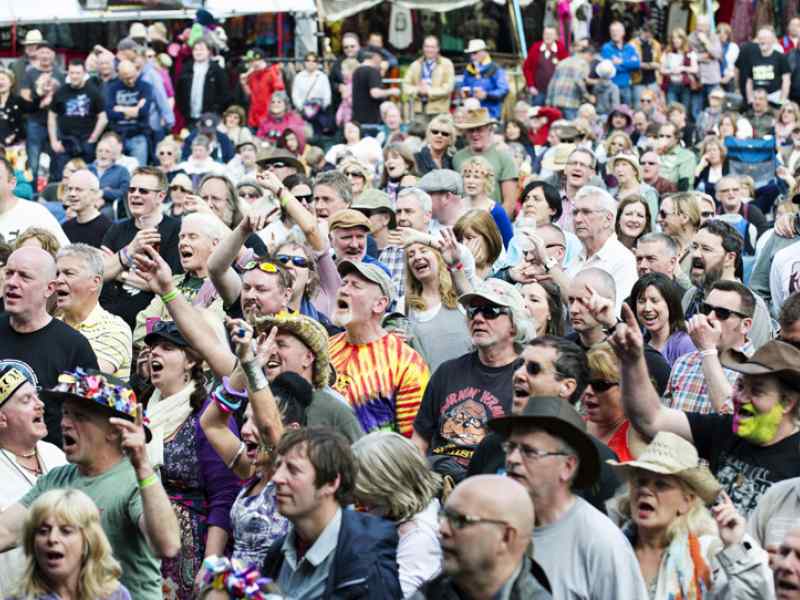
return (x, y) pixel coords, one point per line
(468, 391)
(381, 377)
(748, 450)
(716, 251)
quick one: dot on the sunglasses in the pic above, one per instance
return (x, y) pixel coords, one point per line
(140, 190)
(707, 214)
(489, 311)
(305, 198)
(354, 174)
(267, 267)
(601, 385)
(165, 153)
(297, 261)
(440, 132)
(534, 368)
(251, 195)
(723, 314)
(177, 188)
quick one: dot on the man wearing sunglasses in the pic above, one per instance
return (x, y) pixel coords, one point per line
(651, 174)
(466, 392)
(484, 531)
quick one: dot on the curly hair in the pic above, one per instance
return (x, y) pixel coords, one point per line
(447, 291)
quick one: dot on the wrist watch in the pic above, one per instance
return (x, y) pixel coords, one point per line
(549, 263)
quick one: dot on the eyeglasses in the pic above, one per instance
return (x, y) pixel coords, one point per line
(533, 368)
(528, 452)
(707, 214)
(304, 198)
(251, 195)
(458, 521)
(440, 132)
(354, 174)
(297, 261)
(178, 188)
(267, 267)
(723, 314)
(165, 153)
(140, 190)
(488, 311)
(601, 385)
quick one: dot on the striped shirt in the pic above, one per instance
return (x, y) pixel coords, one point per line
(383, 381)
(110, 337)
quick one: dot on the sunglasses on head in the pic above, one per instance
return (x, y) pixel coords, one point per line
(297, 261)
(267, 267)
(723, 314)
(489, 311)
(601, 385)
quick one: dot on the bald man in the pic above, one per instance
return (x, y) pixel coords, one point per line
(28, 333)
(81, 199)
(128, 103)
(485, 529)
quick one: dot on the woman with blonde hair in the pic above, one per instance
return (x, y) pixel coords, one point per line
(477, 230)
(68, 554)
(440, 137)
(395, 482)
(786, 120)
(359, 176)
(678, 63)
(684, 549)
(479, 182)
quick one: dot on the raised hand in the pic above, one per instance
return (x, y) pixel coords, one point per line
(153, 270)
(704, 333)
(144, 237)
(448, 246)
(241, 333)
(601, 308)
(627, 341)
(730, 523)
(132, 438)
(257, 218)
(265, 346)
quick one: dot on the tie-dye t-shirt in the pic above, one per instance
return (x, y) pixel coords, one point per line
(383, 381)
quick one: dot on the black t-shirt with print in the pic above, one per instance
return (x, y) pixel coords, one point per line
(745, 470)
(767, 72)
(461, 396)
(77, 110)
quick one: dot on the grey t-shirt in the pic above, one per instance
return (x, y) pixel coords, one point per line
(439, 337)
(587, 557)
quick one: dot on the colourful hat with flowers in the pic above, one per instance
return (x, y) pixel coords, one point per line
(109, 393)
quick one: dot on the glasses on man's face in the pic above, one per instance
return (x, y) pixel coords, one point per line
(528, 452)
(723, 314)
(534, 368)
(458, 521)
(297, 261)
(440, 132)
(707, 214)
(664, 214)
(488, 311)
(140, 190)
(266, 267)
(602, 385)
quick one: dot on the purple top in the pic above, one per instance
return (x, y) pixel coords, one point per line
(678, 344)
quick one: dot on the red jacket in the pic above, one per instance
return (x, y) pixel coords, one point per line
(262, 83)
(531, 63)
(539, 137)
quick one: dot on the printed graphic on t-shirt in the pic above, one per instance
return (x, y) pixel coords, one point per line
(794, 278)
(745, 483)
(763, 72)
(78, 106)
(463, 421)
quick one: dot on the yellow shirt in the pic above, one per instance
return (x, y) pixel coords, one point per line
(110, 337)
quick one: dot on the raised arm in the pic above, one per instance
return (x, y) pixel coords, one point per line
(705, 335)
(306, 221)
(640, 400)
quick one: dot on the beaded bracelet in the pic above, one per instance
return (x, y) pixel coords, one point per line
(234, 577)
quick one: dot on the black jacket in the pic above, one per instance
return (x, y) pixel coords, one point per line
(216, 90)
(365, 564)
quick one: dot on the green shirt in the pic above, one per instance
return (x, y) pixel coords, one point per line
(502, 162)
(678, 166)
(116, 493)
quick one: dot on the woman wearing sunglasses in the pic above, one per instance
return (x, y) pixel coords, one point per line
(656, 302)
(168, 153)
(357, 174)
(437, 153)
(179, 188)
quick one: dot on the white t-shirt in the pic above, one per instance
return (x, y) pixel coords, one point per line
(27, 214)
(784, 275)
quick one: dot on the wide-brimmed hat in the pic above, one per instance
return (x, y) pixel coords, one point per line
(774, 357)
(497, 292)
(628, 158)
(475, 46)
(111, 395)
(559, 419)
(309, 331)
(371, 272)
(33, 37)
(670, 454)
(280, 155)
(556, 159)
(13, 374)
(476, 117)
(375, 200)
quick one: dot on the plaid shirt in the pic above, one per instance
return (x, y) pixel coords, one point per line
(394, 257)
(567, 87)
(687, 389)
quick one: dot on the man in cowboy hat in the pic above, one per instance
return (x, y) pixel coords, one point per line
(549, 452)
(478, 127)
(104, 441)
(484, 79)
(31, 44)
(748, 450)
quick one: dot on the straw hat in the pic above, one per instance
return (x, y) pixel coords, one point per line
(475, 46)
(33, 37)
(670, 454)
(556, 159)
(628, 158)
(475, 118)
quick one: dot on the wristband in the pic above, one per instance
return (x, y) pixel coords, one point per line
(169, 296)
(611, 329)
(121, 260)
(255, 375)
(282, 198)
(709, 352)
(236, 456)
(459, 266)
(148, 481)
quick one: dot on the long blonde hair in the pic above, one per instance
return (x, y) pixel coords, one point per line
(100, 572)
(447, 291)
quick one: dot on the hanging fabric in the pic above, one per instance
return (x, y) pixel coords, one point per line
(401, 33)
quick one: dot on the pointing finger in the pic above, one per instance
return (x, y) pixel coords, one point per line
(628, 316)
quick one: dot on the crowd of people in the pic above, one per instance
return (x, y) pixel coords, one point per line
(325, 337)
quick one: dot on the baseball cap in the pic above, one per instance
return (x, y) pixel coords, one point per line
(207, 123)
(497, 292)
(442, 180)
(166, 331)
(371, 272)
(13, 374)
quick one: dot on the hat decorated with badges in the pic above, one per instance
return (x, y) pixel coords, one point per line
(13, 375)
(110, 394)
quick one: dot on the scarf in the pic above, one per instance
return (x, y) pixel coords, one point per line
(166, 415)
(684, 573)
(427, 69)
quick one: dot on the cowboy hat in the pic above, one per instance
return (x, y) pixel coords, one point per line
(774, 357)
(475, 46)
(556, 159)
(670, 454)
(560, 420)
(476, 117)
(280, 155)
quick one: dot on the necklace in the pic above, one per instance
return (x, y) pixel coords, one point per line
(37, 471)
(31, 455)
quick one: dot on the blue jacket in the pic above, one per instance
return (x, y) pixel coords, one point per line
(113, 183)
(493, 80)
(365, 564)
(630, 62)
(118, 94)
(161, 114)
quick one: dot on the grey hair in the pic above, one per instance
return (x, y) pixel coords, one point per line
(601, 197)
(211, 225)
(339, 182)
(424, 199)
(656, 236)
(91, 257)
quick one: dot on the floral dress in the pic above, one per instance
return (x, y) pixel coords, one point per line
(256, 524)
(201, 490)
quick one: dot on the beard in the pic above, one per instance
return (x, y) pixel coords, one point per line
(342, 318)
(709, 277)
